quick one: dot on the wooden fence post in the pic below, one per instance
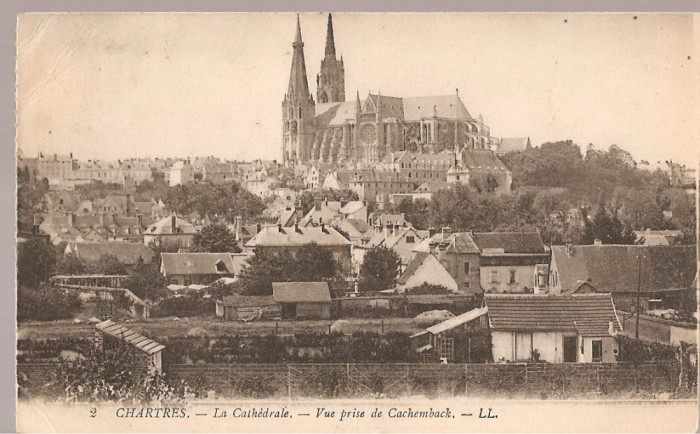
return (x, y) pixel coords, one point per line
(289, 382)
(466, 379)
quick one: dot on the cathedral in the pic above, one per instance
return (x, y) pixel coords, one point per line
(331, 130)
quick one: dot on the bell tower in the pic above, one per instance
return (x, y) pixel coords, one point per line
(298, 108)
(330, 82)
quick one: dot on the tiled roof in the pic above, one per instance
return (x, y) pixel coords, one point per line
(510, 242)
(163, 226)
(413, 266)
(432, 187)
(276, 236)
(248, 300)
(147, 345)
(458, 320)
(482, 160)
(295, 292)
(125, 252)
(202, 263)
(614, 268)
(447, 106)
(589, 314)
(513, 144)
(360, 225)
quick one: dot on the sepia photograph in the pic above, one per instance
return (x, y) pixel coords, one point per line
(357, 221)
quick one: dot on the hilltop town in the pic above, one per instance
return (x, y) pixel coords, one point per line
(392, 230)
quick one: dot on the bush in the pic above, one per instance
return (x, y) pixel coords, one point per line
(185, 306)
(45, 304)
(638, 351)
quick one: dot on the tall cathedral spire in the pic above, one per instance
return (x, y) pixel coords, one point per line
(331, 80)
(330, 41)
(298, 83)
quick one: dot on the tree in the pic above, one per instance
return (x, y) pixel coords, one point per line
(215, 238)
(36, 261)
(609, 230)
(146, 281)
(308, 263)
(70, 264)
(379, 269)
(45, 303)
(109, 265)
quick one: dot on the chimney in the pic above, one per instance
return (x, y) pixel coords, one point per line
(258, 228)
(431, 231)
(173, 223)
(128, 204)
(296, 228)
(279, 228)
(323, 228)
(569, 250)
(370, 220)
(396, 228)
(237, 227)
(71, 219)
(139, 219)
(611, 328)
(597, 242)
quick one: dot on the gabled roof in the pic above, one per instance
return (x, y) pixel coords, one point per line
(359, 225)
(457, 320)
(588, 314)
(135, 339)
(163, 226)
(125, 252)
(512, 144)
(295, 292)
(238, 300)
(413, 266)
(280, 236)
(432, 187)
(509, 242)
(474, 159)
(446, 106)
(614, 268)
(202, 263)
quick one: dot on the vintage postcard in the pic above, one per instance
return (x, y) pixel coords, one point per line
(357, 222)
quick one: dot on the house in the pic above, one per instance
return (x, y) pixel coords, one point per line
(422, 167)
(513, 144)
(358, 230)
(127, 253)
(508, 260)
(200, 268)
(325, 211)
(400, 239)
(312, 178)
(425, 268)
(483, 167)
(664, 274)
(181, 173)
(289, 216)
(427, 190)
(277, 238)
(145, 351)
(170, 231)
(216, 173)
(459, 255)
(450, 340)
(102, 227)
(553, 328)
(245, 308)
(659, 238)
(303, 300)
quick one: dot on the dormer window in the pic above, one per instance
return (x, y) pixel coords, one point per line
(220, 266)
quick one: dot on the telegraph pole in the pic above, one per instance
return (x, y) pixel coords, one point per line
(639, 284)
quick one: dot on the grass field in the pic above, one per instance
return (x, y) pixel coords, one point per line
(167, 327)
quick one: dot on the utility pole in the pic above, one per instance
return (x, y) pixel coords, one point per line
(639, 284)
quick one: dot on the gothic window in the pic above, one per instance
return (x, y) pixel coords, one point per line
(368, 133)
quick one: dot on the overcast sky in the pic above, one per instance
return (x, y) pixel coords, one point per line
(111, 86)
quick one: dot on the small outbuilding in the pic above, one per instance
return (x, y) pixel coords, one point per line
(451, 340)
(146, 351)
(247, 308)
(303, 300)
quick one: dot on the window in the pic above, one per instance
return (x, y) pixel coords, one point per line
(337, 256)
(467, 284)
(467, 267)
(511, 276)
(446, 348)
(597, 350)
(410, 239)
(494, 276)
(220, 266)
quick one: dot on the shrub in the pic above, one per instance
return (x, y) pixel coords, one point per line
(46, 303)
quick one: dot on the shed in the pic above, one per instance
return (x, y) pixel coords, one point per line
(147, 352)
(450, 340)
(303, 300)
(246, 308)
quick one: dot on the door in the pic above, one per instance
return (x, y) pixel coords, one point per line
(597, 350)
(570, 348)
(289, 311)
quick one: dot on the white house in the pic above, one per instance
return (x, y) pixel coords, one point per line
(425, 268)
